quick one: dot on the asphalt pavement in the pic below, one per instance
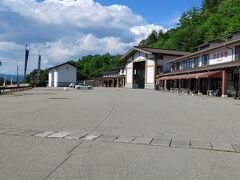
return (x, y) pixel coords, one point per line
(110, 133)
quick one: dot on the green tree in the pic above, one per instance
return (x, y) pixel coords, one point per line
(214, 19)
(89, 67)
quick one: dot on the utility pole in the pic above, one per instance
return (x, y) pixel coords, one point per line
(0, 65)
(39, 65)
(26, 61)
(17, 77)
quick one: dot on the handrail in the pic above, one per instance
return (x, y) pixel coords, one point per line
(14, 88)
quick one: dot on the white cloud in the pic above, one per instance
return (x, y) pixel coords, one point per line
(67, 29)
(9, 46)
(144, 30)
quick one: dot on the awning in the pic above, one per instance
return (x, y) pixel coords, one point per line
(212, 74)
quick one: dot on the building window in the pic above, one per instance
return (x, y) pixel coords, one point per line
(205, 59)
(221, 54)
(237, 53)
(159, 70)
(226, 54)
(196, 61)
(173, 67)
(191, 63)
(188, 64)
(178, 66)
(184, 65)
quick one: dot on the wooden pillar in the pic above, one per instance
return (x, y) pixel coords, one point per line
(189, 85)
(117, 82)
(198, 85)
(165, 84)
(209, 83)
(224, 83)
(209, 86)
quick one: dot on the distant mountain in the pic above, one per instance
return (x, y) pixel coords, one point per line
(13, 76)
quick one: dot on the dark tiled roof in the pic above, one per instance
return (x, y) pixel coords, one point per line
(153, 51)
(62, 65)
(210, 42)
(166, 51)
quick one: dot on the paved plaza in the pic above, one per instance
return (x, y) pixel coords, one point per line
(49, 133)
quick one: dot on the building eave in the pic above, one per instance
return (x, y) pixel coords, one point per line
(204, 68)
(132, 51)
(66, 63)
(222, 45)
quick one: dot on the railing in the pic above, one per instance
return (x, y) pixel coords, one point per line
(14, 88)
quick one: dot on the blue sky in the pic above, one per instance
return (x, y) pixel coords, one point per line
(163, 12)
(69, 29)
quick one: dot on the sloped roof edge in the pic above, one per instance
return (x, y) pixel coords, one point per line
(62, 65)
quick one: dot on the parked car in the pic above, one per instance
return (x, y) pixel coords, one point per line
(83, 87)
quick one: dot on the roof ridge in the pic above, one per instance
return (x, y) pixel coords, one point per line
(163, 49)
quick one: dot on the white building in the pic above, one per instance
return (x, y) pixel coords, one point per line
(144, 64)
(62, 75)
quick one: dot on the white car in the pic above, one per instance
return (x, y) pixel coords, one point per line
(83, 87)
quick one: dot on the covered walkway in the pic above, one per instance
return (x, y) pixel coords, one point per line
(118, 81)
(208, 83)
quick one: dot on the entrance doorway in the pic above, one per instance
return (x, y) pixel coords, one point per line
(139, 74)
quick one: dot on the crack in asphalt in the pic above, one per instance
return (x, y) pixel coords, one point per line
(108, 114)
(213, 127)
(58, 166)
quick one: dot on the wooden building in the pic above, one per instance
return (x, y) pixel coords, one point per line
(212, 70)
(112, 78)
(143, 65)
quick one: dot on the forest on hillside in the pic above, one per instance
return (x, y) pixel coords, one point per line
(213, 20)
(89, 67)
